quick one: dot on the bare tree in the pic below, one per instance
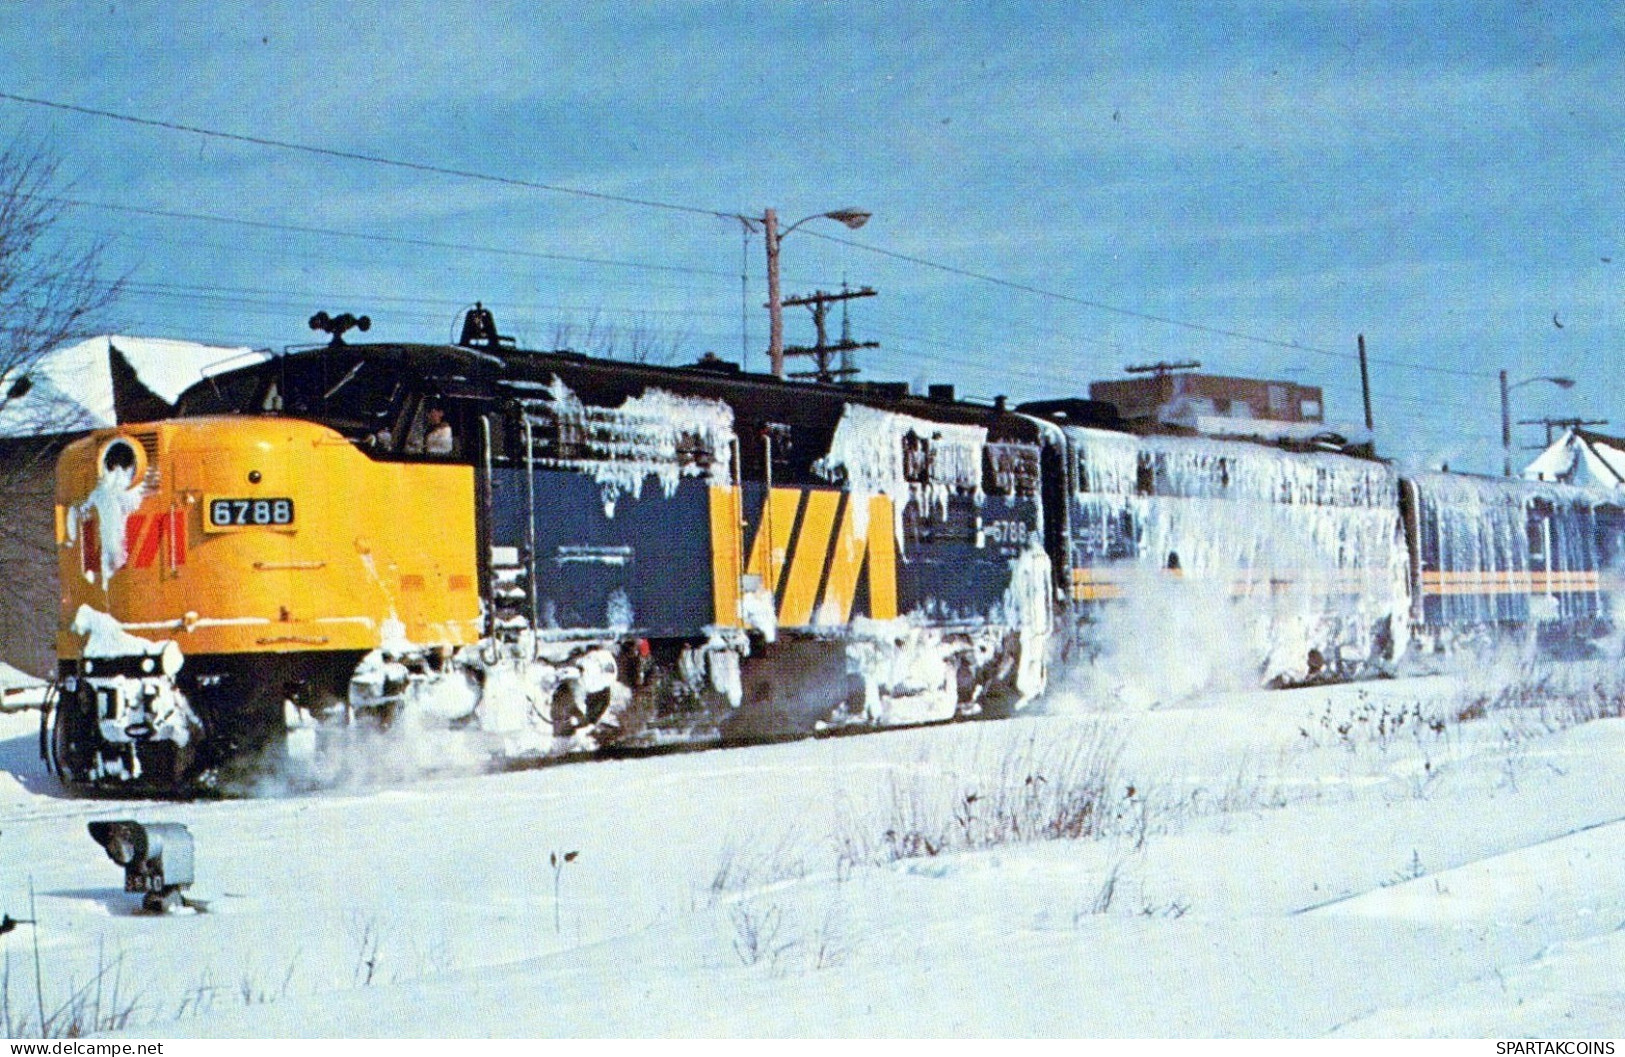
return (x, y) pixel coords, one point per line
(642, 341)
(52, 292)
(647, 343)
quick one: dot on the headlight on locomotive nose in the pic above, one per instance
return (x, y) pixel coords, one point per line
(120, 454)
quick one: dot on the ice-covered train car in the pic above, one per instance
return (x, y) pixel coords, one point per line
(1491, 556)
(549, 552)
(1296, 558)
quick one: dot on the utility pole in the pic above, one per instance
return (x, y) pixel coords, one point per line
(1365, 385)
(1506, 412)
(745, 228)
(1561, 423)
(1160, 371)
(775, 308)
(824, 352)
(1506, 426)
(773, 236)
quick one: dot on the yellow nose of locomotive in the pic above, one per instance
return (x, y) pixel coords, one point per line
(243, 535)
(216, 572)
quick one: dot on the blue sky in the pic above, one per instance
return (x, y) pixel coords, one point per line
(1249, 185)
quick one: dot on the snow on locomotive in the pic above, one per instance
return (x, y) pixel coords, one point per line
(549, 552)
(1284, 565)
(556, 554)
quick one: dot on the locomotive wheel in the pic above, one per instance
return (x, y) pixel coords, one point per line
(563, 712)
(60, 749)
(999, 701)
(597, 704)
(71, 739)
(790, 689)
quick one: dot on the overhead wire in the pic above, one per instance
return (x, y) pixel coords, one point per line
(469, 174)
(1147, 316)
(374, 159)
(305, 229)
(267, 300)
(222, 292)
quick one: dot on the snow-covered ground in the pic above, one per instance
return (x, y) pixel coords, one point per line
(19, 690)
(1407, 858)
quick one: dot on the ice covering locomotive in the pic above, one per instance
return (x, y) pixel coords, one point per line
(557, 554)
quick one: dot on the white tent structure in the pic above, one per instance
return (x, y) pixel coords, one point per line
(1581, 457)
(106, 380)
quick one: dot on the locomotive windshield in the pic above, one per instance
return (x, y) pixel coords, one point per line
(344, 390)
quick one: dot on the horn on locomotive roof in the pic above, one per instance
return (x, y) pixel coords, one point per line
(337, 325)
(480, 328)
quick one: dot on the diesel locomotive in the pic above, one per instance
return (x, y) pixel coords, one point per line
(558, 554)
(552, 552)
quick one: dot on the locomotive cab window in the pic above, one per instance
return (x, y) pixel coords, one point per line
(436, 428)
(228, 394)
(366, 398)
(1145, 474)
(306, 380)
(1540, 533)
(916, 458)
(357, 397)
(362, 398)
(1610, 537)
(1010, 469)
(776, 439)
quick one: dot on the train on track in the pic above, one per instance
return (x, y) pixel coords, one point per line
(556, 554)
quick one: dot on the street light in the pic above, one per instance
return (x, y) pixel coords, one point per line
(852, 218)
(1506, 413)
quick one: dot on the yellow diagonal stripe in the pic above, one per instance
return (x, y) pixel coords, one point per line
(807, 565)
(846, 562)
(778, 521)
(725, 517)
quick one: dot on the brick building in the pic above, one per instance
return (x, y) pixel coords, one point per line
(1212, 403)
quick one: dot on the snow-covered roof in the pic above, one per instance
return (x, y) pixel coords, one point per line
(104, 380)
(1268, 429)
(1581, 457)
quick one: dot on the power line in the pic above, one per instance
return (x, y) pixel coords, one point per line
(481, 278)
(1064, 374)
(944, 353)
(271, 301)
(266, 225)
(297, 303)
(674, 207)
(1150, 317)
(221, 292)
(374, 159)
(206, 298)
